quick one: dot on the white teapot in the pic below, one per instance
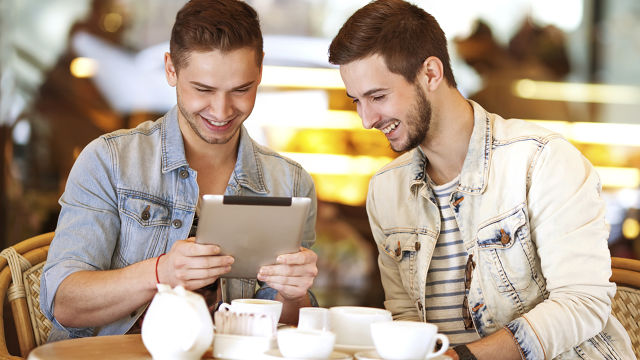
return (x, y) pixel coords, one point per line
(177, 325)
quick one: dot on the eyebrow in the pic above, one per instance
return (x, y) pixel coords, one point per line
(369, 92)
(196, 83)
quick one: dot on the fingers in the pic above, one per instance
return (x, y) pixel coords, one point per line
(189, 247)
(308, 270)
(304, 256)
(293, 274)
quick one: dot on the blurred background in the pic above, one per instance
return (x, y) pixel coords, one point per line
(71, 70)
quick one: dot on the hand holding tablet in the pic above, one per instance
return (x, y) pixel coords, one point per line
(254, 230)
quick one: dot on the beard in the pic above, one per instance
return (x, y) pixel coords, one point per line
(417, 122)
(194, 124)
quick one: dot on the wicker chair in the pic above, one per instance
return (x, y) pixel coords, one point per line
(20, 269)
(626, 304)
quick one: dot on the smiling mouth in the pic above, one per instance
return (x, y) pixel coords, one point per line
(389, 128)
(217, 123)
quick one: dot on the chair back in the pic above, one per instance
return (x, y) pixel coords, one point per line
(626, 303)
(20, 270)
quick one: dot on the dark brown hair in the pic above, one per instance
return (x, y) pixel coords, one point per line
(206, 25)
(402, 33)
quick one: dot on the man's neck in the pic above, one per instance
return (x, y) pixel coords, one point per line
(448, 137)
(202, 155)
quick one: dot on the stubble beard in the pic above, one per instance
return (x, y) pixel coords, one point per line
(417, 122)
(192, 120)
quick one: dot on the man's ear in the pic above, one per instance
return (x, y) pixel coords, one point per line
(432, 71)
(170, 70)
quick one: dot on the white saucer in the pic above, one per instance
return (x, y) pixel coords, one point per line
(275, 354)
(352, 349)
(373, 355)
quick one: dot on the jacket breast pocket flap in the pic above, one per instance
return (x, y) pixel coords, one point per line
(399, 245)
(145, 212)
(501, 233)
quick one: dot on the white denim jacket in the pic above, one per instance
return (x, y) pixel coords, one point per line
(529, 210)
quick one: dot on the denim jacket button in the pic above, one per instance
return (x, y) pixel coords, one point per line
(145, 215)
(420, 306)
(398, 251)
(184, 174)
(176, 223)
(417, 245)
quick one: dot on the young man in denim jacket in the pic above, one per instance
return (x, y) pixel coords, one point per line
(132, 194)
(493, 229)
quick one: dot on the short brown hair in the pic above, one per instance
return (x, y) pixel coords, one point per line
(205, 25)
(402, 33)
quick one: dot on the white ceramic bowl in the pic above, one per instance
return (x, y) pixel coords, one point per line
(351, 324)
(227, 346)
(305, 344)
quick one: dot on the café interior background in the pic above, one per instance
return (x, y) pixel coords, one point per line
(71, 70)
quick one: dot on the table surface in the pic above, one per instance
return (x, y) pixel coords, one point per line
(125, 347)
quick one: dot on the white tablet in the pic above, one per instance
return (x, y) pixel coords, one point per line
(252, 229)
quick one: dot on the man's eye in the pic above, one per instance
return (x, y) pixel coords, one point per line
(242, 91)
(378, 98)
(202, 90)
(355, 101)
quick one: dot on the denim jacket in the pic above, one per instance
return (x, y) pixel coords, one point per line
(131, 195)
(529, 211)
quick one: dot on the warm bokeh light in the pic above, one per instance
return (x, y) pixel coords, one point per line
(630, 228)
(300, 77)
(82, 67)
(576, 92)
(618, 177)
(112, 22)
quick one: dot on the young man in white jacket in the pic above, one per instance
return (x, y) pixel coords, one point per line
(492, 229)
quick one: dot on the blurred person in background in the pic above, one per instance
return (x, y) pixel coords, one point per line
(133, 194)
(492, 229)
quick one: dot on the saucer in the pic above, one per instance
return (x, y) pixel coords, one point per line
(373, 355)
(276, 355)
(352, 349)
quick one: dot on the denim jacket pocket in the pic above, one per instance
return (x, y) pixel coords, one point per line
(145, 220)
(505, 250)
(401, 246)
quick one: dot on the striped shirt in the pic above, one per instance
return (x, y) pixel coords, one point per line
(445, 278)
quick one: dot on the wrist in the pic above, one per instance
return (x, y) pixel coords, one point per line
(464, 353)
(157, 265)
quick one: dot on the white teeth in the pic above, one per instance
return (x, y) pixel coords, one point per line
(389, 128)
(216, 123)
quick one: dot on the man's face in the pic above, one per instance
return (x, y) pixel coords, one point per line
(216, 92)
(388, 102)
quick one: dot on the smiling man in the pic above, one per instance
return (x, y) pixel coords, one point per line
(132, 195)
(492, 229)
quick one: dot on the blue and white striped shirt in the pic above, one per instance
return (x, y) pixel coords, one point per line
(445, 278)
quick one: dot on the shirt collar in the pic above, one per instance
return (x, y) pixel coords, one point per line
(247, 172)
(475, 169)
(173, 156)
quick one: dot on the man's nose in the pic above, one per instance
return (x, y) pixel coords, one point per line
(221, 106)
(369, 116)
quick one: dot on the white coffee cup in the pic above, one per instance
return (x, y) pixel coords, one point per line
(270, 308)
(305, 344)
(313, 318)
(351, 324)
(400, 340)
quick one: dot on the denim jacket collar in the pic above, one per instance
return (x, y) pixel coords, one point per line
(173, 156)
(247, 172)
(475, 169)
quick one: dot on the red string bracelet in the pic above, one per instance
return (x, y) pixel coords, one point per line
(158, 261)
